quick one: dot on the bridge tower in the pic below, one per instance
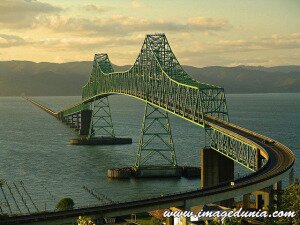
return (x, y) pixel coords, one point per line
(156, 153)
(101, 121)
(94, 116)
(156, 138)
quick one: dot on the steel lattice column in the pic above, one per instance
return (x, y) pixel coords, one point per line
(101, 122)
(156, 147)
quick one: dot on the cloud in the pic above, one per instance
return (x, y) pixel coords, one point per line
(95, 8)
(16, 14)
(204, 23)
(23, 13)
(255, 44)
(291, 41)
(7, 41)
(259, 50)
(88, 43)
(125, 25)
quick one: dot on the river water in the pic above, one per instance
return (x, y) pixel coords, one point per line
(34, 149)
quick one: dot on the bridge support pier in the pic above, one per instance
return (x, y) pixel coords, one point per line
(85, 123)
(278, 193)
(78, 119)
(246, 201)
(263, 198)
(258, 196)
(271, 197)
(216, 168)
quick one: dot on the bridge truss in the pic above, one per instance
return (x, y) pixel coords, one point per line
(158, 79)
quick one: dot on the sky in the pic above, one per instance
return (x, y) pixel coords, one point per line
(201, 32)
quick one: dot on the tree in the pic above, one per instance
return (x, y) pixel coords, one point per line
(83, 220)
(290, 202)
(65, 204)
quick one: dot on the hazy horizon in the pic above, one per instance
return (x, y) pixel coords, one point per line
(240, 65)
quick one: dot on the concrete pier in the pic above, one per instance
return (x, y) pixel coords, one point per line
(152, 172)
(161, 171)
(246, 201)
(121, 173)
(100, 141)
(215, 169)
(86, 117)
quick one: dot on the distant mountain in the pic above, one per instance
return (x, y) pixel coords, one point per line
(284, 69)
(17, 77)
(248, 79)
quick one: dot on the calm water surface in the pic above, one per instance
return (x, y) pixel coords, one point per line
(34, 148)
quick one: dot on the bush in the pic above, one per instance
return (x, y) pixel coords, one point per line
(65, 204)
(290, 202)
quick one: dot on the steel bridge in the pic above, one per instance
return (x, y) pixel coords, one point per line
(158, 79)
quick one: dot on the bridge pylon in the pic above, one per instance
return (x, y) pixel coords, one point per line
(101, 121)
(156, 146)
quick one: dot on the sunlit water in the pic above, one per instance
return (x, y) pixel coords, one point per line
(34, 148)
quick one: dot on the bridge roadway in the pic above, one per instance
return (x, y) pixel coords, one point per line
(280, 160)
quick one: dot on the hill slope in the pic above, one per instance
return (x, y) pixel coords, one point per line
(17, 77)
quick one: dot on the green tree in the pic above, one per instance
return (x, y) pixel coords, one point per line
(83, 220)
(65, 204)
(290, 202)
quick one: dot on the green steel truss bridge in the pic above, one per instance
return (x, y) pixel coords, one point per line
(158, 79)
